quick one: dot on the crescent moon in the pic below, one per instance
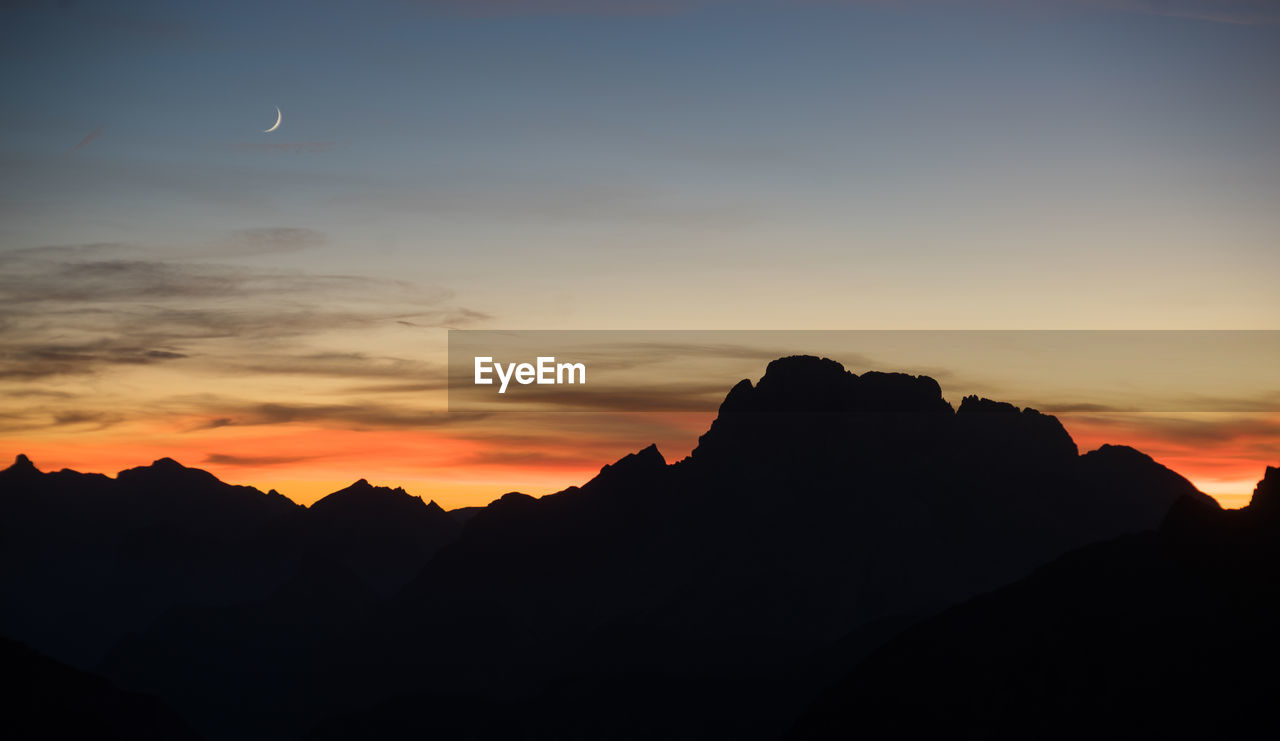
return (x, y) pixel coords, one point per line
(276, 125)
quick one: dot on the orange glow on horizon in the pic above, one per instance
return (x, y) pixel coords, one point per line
(459, 469)
(1226, 466)
(306, 463)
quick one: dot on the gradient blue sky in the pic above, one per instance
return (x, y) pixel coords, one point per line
(574, 164)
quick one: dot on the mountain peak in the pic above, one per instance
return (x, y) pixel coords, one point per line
(633, 468)
(802, 367)
(797, 383)
(648, 457)
(1266, 497)
(807, 383)
(22, 464)
(804, 403)
(167, 471)
(363, 496)
(973, 403)
(1110, 450)
(1036, 437)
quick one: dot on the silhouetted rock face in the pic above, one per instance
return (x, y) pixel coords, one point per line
(1170, 633)
(1265, 502)
(103, 556)
(127, 549)
(363, 502)
(899, 392)
(808, 412)
(795, 384)
(1129, 485)
(383, 535)
(44, 699)
(241, 652)
(192, 504)
(805, 384)
(820, 503)
(166, 471)
(22, 468)
(1021, 436)
(645, 464)
(633, 477)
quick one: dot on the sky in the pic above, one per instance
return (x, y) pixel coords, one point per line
(274, 306)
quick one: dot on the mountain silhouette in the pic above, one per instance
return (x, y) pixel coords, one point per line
(1163, 633)
(127, 549)
(245, 647)
(384, 535)
(821, 514)
(122, 550)
(47, 699)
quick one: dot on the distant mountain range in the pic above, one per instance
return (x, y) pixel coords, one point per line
(128, 549)
(821, 517)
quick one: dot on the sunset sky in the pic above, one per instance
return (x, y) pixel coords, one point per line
(273, 307)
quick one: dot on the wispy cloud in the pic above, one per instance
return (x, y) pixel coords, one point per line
(1202, 431)
(112, 335)
(354, 415)
(36, 359)
(254, 460)
(526, 459)
(81, 309)
(346, 365)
